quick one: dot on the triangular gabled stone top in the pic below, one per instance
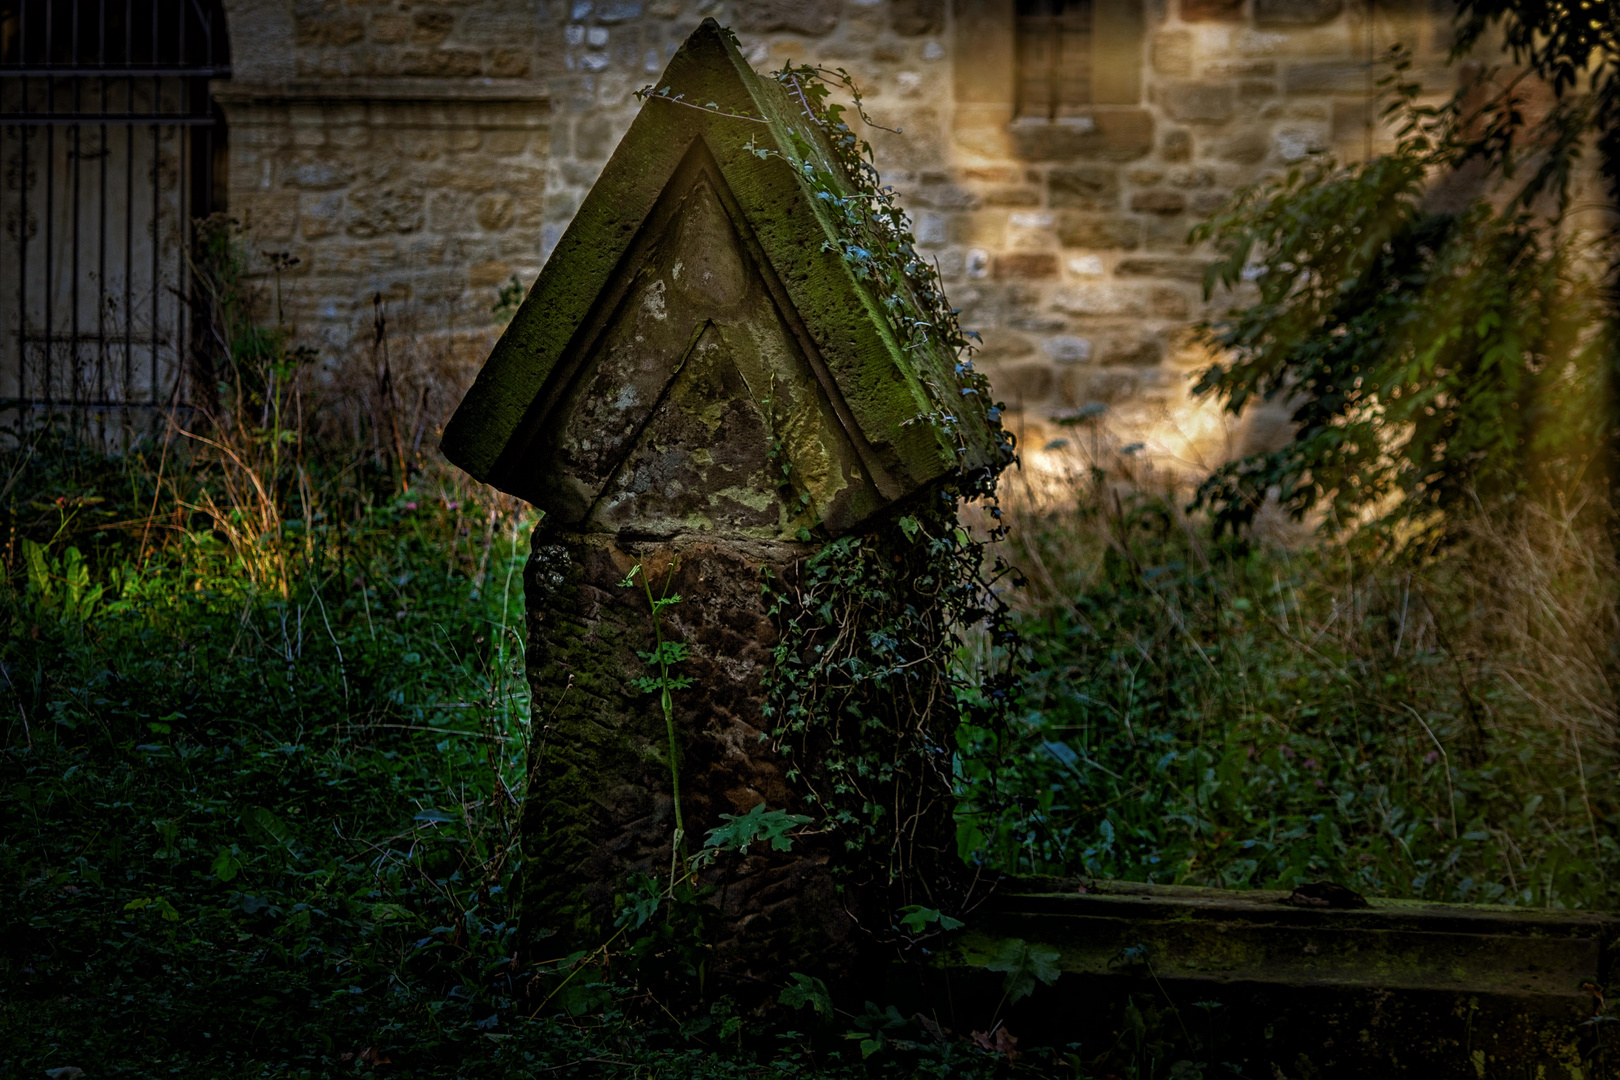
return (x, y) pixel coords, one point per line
(697, 354)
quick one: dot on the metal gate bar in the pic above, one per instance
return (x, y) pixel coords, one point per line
(95, 71)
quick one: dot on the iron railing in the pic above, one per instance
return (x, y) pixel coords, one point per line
(110, 146)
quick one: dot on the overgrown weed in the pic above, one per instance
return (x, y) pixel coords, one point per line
(1265, 713)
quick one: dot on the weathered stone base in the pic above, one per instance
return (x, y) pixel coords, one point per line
(1397, 989)
(600, 808)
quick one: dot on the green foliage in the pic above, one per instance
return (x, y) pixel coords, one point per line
(59, 588)
(916, 918)
(227, 850)
(1221, 714)
(256, 836)
(771, 826)
(507, 301)
(1435, 360)
(665, 654)
(872, 675)
(870, 681)
(807, 990)
(1026, 966)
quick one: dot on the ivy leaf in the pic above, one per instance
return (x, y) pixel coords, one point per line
(741, 830)
(1025, 966)
(915, 918)
(226, 865)
(807, 990)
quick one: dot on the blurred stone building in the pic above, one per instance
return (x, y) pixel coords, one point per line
(1053, 154)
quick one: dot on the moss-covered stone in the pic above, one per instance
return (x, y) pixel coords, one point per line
(599, 807)
(1396, 988)
(712, 171)
(701, 384)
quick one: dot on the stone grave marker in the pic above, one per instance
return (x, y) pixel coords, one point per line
(701, 390)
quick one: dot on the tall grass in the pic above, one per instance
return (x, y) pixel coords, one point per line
(1281, 709)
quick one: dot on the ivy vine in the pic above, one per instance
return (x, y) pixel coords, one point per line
(897, 641)
(897, 661)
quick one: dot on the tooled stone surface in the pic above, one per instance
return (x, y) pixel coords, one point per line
(670, 422)
(599, 806)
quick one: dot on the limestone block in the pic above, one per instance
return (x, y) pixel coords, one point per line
(941, 192)
(1165, 233)
(1100, 299)
(1067, 349)
(1025, 384)
(1240, 69)
(914, 18)
(460, 138)
(509, 64)
(505, 142)
(496, 211)
(1086, 266)
(931, 230)
(1247, 147)
(487, 274)
(336, 30)
(1026, 265)
(1296, 109)
(813, 18)
(270, 216)
(388, 28)
(374, 211)
(320, 215)
(1098, 232)
(993, 174)
(1105, 135)
(1192, 177)
(1329, 77)
(441, 63)
(1205, 203)
(1161, 267)
(1197, 102)
(1296, 144)
(1173, 52)
(451, 212)
(1011, 196)
(1029, 229)
(1176, 146)
(1004, 345)
(317, 175)
(431, 26)
(1133, 352)
(985, 229)
(618, 11)
(1169, 302)
(1296, 12)
(1159, 202)
(1211, 10)
(1090, 187)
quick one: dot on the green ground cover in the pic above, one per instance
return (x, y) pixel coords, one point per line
(271, 835)
(1242, 714)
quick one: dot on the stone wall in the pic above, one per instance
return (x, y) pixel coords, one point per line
(429, 151)
(397, 152)
(1064, 243)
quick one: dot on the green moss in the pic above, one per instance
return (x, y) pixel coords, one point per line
(753, 131)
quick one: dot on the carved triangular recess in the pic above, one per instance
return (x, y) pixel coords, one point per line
(716, 212)
(694, 409)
